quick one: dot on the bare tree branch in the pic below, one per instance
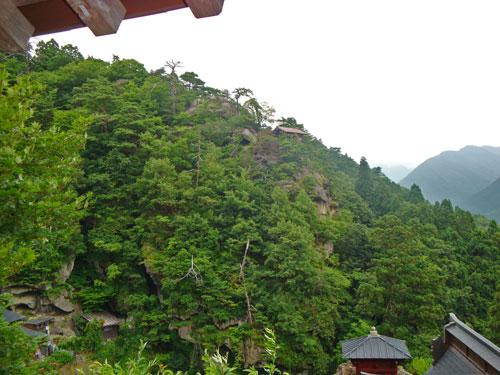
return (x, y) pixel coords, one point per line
(242, 277)
(193, 273)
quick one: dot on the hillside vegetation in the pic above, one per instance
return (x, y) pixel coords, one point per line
(185, 214)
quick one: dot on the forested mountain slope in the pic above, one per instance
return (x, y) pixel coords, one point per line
(456, 175)
(487, 201)
(203, 226)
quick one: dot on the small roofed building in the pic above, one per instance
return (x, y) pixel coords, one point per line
(39, 324)
(11, 316)
(463, 351)
(279, 130)
(110, 323)
(375, 354)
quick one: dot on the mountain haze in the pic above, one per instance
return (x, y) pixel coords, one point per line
(487, 201)
(456, 175)
(395, 172)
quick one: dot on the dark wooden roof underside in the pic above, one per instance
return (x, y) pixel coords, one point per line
(53, 16)
(21, 19)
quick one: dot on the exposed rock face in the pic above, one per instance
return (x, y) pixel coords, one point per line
(346, 369)
(266, 149)
(222, 106)
(33, 297)
(66, 270)
(328, 247)
(184, 332)
(402, 371)
(231, 322)
(62, 302)
(349, 369)
(248, 135)
(252, 354)
(29, 300)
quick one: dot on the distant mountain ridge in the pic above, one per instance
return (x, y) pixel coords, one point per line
(395, 172)
(470, 178)
(487, 201)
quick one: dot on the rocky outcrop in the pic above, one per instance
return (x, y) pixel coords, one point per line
(34, 300)
(62, 302)
(402, 371)
(248, 136)
(220, 105)
(66, 269)
(346, 369)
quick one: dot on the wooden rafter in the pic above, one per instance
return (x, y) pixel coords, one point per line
(21, 19)
(205, 8)
(101, 16)
(15, 29)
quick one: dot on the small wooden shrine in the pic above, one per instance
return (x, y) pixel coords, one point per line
(375, 354)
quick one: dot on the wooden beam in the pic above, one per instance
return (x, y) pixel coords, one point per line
(103, 17)
(15, 29)
(205, 8)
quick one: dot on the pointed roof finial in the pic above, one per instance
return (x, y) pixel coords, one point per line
(373, 331)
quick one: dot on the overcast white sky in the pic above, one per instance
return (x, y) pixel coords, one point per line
(395, 81)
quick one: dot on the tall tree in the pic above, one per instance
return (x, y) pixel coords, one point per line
(39, 209)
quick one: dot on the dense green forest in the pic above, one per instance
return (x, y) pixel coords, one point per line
(185, 214)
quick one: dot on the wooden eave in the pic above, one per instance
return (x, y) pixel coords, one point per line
(25, 18)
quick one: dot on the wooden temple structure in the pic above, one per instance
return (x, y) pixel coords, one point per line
(22, 19)
(463, 351)
(375, 354)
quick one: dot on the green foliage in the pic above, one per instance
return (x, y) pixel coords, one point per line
(216, 364)
(90, 338)
(139, 365)
(419, 366)
(39, 208)
(16, 349)
(181, 177)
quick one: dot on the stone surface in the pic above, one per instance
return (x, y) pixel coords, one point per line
(62, 302)
(66, 269)
(29, 300)
(328, 246)
(346, 369)
(17, 289)
(248, 135)
(401, 371)
(185, 333)
(223, 107)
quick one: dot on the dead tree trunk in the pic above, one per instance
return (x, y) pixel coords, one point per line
(242, 277)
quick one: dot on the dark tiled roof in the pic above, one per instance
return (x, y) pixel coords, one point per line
(375, 347)
(39, 321)
(475, 342)
(452, 362)
(289, 130)
(11, 316)
(31, 332)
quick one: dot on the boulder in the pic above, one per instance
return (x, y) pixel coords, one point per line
(346, 369)
(29, 300)
(62, 302)
(248, 135)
